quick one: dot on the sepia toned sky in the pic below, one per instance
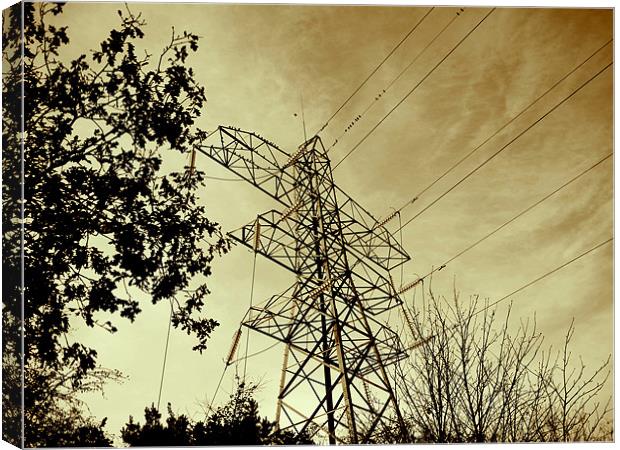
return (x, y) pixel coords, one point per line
(256, 63)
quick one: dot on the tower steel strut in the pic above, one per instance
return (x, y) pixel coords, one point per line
(334, 381)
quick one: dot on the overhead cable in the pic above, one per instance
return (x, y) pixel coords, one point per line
(356, 146)
(525, 286)
(532, 103)
(486, 161)
(391, 83)
(542, 277)
(376, 69)
(506, 223)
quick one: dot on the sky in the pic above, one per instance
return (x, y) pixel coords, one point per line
(260, 63)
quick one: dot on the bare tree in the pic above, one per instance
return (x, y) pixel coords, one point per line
(472, 377)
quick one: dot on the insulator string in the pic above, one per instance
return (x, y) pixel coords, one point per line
(233, 347)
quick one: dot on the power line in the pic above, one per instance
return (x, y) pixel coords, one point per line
(217, 388)
(259, 352)
(402, 72)
(303, 116)
(247, 337)
(414, 88)
(529, 127)
(525, 286)
(529, 208)
(402, 266)
(376, 69)
(223, 179)
(229, 360)
(458, 163)
(509, 221)
(163, 368)
(551, 272)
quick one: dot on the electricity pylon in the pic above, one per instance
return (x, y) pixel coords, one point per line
(334, 377)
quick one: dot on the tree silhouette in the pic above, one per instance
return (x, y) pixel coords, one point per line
(106, 229)
(235, 423)
(472, 378)
(11, 234)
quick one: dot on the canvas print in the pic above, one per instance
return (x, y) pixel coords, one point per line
(297, 224)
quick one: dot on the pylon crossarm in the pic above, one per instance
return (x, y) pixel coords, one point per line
(374, 286)
(360, 230)
(276, 314)
(277, 241)
(281, 242)
(257, 146)
(253, 159)
(263, 164)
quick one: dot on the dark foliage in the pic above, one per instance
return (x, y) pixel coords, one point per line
(105, 228)
(11, 238)
(235, 423)
(66, 427)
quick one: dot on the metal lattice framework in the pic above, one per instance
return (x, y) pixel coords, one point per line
(337, 351)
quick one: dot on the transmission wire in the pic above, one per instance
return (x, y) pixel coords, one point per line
(402, 266)
(375, 70)
(246, 357)
(391, 83)
(473, 171)
(529, 208)
(531, 283)
(355, 147)
(458, 163)
(163, 368)
(217, 388)
(517, 216)
(247, 337)
(551, 272)
(259, 352)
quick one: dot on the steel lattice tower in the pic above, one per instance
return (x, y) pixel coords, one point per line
(334, 378)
